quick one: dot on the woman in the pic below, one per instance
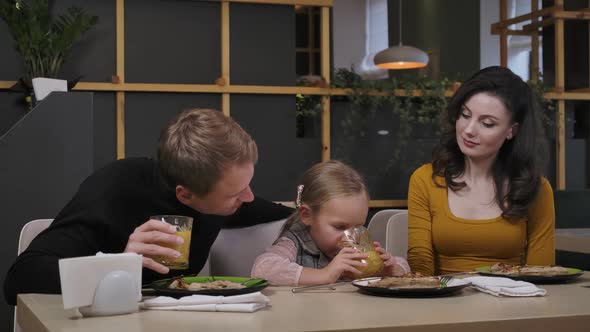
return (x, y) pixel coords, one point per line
(483, 199)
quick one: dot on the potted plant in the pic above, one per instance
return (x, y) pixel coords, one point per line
(43, 41)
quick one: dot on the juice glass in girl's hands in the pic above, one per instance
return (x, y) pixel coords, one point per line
(359, 238)
(184, 227)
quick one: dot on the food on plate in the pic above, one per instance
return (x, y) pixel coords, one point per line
(507, 269)
(409, 280)
(179, 283)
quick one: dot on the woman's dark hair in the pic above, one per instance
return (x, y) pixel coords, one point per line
(517, 163)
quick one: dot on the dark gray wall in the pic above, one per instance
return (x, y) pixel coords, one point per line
(93, 57)
(262, 39)
(282, 157)
(11, 67)
(105, 131)
(44, 157)
(147, 113)
(172, 41)
(11, 109)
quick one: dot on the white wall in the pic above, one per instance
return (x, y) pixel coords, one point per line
(348, 32)
(360, 31)
(519, 47)
(489, 44)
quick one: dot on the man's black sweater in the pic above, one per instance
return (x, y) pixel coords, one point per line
(107, 208)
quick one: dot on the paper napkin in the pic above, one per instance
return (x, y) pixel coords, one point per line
(238, 303)
(499, 286)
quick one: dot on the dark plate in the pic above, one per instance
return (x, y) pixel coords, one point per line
(548, 278)
(453, 286)
(252, 285)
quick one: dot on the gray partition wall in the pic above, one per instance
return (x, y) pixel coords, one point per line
(45, 156)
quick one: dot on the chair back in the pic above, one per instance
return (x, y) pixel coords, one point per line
(396, 242)
(29, 231)
(234, 251)
(378, 224)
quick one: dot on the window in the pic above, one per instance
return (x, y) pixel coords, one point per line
(307, 41)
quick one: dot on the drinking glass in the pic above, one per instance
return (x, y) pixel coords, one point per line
(184, 226)
(358, 237)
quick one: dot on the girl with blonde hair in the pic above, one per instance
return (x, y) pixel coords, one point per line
(331, 198)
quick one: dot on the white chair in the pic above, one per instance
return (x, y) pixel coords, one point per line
(29, 231)
(378, 224)
(234, 251)
(396, 238)
(205, 271)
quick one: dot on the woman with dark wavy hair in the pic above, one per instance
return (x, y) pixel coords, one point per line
(483, 199)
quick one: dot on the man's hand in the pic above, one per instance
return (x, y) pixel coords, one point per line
(147, 240)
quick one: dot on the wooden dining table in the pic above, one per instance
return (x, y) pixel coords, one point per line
(565, 307)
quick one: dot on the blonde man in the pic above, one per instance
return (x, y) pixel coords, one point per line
(204, 167)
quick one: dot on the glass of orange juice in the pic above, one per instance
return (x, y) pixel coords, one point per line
(184, 227)
(358, 237)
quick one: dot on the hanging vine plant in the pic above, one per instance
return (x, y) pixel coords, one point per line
(405, 109)
(307, 109)
(414, 113)
(417, 110)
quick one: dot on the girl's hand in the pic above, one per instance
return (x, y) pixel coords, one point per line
(343, 264)
(392, 266)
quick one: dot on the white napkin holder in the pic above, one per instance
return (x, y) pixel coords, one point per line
(101, 285)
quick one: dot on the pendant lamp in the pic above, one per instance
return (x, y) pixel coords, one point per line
(401, 56)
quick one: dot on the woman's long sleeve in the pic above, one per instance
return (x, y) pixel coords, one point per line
(541, 228)
(420, 250)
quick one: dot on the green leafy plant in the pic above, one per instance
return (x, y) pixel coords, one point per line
(43, 41)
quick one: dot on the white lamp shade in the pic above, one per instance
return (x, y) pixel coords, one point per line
(401, 57)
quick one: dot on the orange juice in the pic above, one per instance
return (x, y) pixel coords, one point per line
(181, 262)
(358, 237)
(374, 264)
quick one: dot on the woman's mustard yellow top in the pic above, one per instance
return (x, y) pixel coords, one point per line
(441, 243)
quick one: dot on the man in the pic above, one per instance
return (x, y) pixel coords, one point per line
(204, 167)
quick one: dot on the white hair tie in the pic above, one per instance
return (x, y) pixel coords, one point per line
(298, 199)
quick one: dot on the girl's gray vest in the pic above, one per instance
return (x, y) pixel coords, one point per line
(308, 254)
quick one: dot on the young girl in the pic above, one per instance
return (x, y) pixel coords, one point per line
(331, 198)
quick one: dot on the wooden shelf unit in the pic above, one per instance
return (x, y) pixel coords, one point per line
(555, 15)
(539, 18)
